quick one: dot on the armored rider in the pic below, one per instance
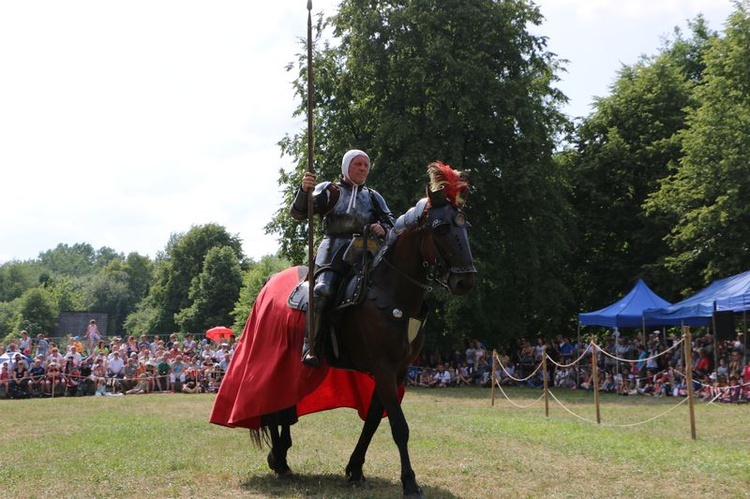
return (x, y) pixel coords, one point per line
(346, 208)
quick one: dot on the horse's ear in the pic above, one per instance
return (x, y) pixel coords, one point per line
(437, 198)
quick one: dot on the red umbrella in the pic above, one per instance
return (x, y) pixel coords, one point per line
(218, 333)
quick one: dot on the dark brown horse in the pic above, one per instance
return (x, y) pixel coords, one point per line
(381, 335)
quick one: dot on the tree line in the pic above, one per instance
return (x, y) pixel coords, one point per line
(566, 213)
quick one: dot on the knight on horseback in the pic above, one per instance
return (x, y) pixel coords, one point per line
(346, 208)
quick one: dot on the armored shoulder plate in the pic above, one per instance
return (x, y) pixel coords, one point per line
(410, 219)
(320, 188)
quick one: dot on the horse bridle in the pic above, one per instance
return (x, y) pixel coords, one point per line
(432, 259)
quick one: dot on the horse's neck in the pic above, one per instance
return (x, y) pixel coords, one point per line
(404, 275)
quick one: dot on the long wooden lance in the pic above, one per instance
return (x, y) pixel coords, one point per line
(311, 169)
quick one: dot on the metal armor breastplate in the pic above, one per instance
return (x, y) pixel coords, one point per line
(340, 223)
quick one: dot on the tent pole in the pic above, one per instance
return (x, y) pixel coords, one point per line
(578, 346)
(716, 344)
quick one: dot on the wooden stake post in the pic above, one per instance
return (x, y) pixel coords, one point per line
(689, 376)
(595, 380)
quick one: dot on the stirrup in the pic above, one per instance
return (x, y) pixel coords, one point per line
(310, 359)
(308, 356)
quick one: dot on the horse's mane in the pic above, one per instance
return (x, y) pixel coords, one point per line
(453, 183)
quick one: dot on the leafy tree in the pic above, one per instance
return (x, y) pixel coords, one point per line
(9, 313)
(213, 292)
(109, 292)
(37, 311)
(16, 277)
(466, 83)
(67, 293)
(74, 261)
(706, 193)
(620, 153)
(140, 270)
(253, 280)
(183, 260)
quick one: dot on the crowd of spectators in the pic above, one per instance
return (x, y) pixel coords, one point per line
(649, 365)
(44, 367)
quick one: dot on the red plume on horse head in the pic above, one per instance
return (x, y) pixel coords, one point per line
(453, 183)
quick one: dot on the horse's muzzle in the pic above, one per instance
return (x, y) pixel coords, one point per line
(461, 283)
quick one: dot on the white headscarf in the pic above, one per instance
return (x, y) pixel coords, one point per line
(346, 161)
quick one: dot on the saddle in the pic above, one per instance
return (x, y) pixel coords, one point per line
(352, 291)
(358, 255)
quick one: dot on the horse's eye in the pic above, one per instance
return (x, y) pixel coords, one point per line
(440, 227)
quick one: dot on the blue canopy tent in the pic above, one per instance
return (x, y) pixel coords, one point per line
(627, 311)
(732, 293)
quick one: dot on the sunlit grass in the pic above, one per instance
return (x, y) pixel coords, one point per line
(461, 446)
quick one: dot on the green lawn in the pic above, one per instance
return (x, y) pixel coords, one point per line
(461, 446)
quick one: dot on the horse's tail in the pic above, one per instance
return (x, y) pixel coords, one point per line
(260, 437)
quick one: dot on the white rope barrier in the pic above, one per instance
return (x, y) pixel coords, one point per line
(518, 405)
(736, 393)
(518, 380)
(635, 361)
(638, 423)
(586, 351)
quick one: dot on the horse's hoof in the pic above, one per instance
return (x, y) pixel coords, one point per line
(357, 483)
(355, 476)
(282, 471)
(415, 494)
(284, 474)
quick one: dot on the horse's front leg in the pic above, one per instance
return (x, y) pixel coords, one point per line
(357, 459)
(388, 394)
(281, 441)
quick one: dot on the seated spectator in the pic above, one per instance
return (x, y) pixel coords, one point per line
(55, 382)
(163, 380)
(130, 374)
(19, 379)
(443, 376)
(86, 385)
(462, 376)
(100, 348)
(37, 376)
(174, 351)
(72, 380)
(645, 384)
(55, 356)
(426, 378)
(150, 369)
(412, 376)
(178, 373)
(189, 346)
(190, 385)
(4, 380)
(98, 372)
(115, 370)
(608, 384)
(142, 386)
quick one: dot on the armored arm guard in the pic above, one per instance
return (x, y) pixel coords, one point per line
(323, 195)
(298, 210)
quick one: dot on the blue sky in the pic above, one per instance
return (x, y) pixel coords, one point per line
(124, 122)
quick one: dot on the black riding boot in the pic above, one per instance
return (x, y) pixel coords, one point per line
(312, 338)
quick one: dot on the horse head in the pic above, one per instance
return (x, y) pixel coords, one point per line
(441, 228)
(448, 228)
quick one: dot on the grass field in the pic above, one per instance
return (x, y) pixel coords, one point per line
(162, 446)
